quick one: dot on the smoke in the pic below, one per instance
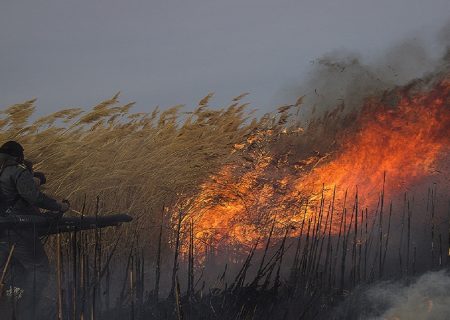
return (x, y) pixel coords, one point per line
(428, 297)
(346, 78)
(444, 35)
(340, 78)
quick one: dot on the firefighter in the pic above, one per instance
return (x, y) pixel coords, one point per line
(21, 195)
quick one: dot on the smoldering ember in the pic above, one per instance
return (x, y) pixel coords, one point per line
(217, 214)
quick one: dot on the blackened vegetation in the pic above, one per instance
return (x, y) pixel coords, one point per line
(303, 274)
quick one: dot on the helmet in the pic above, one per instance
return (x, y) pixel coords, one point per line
(12, 148)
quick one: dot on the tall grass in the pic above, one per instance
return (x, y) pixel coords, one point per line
(135, 162)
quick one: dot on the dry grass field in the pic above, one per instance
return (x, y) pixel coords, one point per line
(312, 203)
(120, 161)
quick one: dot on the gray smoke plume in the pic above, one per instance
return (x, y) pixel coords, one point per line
(345, 78)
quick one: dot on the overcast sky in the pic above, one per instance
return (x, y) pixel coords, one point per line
(70, 53)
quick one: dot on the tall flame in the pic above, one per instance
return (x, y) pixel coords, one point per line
(406, 142)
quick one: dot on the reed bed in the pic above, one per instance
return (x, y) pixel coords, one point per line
(296, 277)
(150, 165)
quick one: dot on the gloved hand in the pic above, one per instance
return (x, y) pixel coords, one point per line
(64, 205)
(41, 176)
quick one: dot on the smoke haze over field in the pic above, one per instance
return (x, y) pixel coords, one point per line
(168, 52)
(426, 298)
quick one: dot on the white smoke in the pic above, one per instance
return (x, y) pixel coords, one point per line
(428, 298)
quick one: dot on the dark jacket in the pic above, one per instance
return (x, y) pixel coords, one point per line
(18, 191)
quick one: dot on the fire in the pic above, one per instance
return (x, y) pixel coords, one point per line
(405, 143)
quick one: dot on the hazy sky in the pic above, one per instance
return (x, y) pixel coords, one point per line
(165, 52)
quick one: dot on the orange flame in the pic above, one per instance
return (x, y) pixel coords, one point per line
(407, 142)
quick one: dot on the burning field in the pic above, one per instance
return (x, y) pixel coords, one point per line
(275, 217)
(396, 142)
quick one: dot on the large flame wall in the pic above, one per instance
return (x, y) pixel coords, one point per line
(405, 141)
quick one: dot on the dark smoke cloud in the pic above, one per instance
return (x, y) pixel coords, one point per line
(444, 35)
(345, 78)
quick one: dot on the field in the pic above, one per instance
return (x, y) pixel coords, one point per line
(242, 217)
